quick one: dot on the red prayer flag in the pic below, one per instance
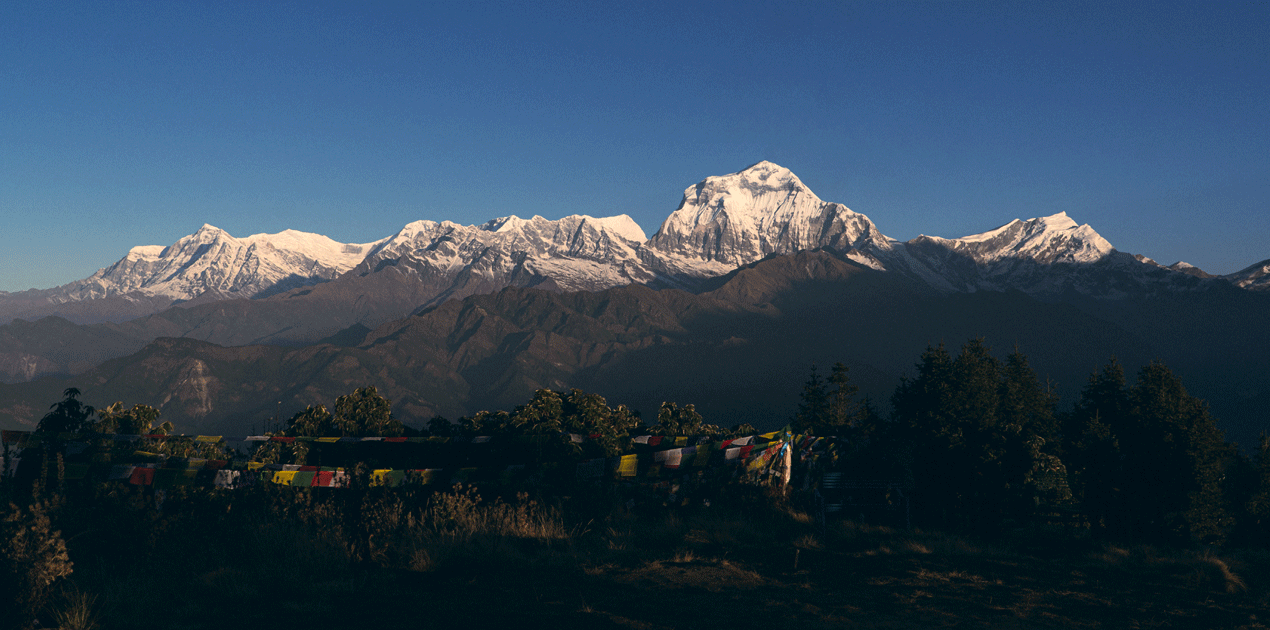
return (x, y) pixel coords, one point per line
(142, 477)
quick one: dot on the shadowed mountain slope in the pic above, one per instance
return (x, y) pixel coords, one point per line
(739, 351)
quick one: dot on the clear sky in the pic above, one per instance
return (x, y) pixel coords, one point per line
(134, 123)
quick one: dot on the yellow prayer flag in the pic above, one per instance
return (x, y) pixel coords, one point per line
(378, 477)
(768, 436)
(207, 438)
(681, 441)
(328, 439)
(284, 477)
(628, 466)
(703, 455)
(255, 465)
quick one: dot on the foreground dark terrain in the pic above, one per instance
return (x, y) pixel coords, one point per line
(283, 557)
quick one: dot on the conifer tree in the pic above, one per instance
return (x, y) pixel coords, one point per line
(976, 381)
(1258, 505)
(842, 410)
(1174, 460)
(1033, 471)
(813, 407)
(1096, 472)
(922, 408)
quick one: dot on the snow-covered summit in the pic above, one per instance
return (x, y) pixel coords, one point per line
(722, 223)
(1046, 240)
(1255, 277)
(731, 220)
(575, 252)
(211, 259)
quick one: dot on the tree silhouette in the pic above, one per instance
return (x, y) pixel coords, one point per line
(66, 415)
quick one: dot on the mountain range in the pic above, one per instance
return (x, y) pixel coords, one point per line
(747, 282)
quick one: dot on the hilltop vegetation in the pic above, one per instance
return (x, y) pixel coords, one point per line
(1126, 509)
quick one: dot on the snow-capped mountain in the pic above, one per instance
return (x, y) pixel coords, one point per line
(1044, 255)
(574, 253)
(722, 223)
(732, 220)
(1255, 277)
(211, 259)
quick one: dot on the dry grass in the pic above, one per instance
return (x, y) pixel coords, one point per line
(77, 612)
(455, 553)
(1201, 570)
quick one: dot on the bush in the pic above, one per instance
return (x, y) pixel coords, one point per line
(32, 559)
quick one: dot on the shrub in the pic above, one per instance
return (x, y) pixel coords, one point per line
(32, 559)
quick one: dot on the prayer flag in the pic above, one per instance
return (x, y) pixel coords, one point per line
(207, 438)
(141, 477)
(628, 466)
(226, 478)
(703, 455)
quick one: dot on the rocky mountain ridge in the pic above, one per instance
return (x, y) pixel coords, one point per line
(722, 223)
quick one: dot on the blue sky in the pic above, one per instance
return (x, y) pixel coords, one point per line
(134, 123)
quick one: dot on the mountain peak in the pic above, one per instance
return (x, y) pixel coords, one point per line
(622, 225)
(1058, 221)
(741, 217)
(208, 228)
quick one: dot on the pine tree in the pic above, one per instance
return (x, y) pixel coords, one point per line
(842, 412)
(1033, 470)
(1258, 505)
(813, 408)
(922, 408)
(1174, 460)
(975, 403)
(1096, 472)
